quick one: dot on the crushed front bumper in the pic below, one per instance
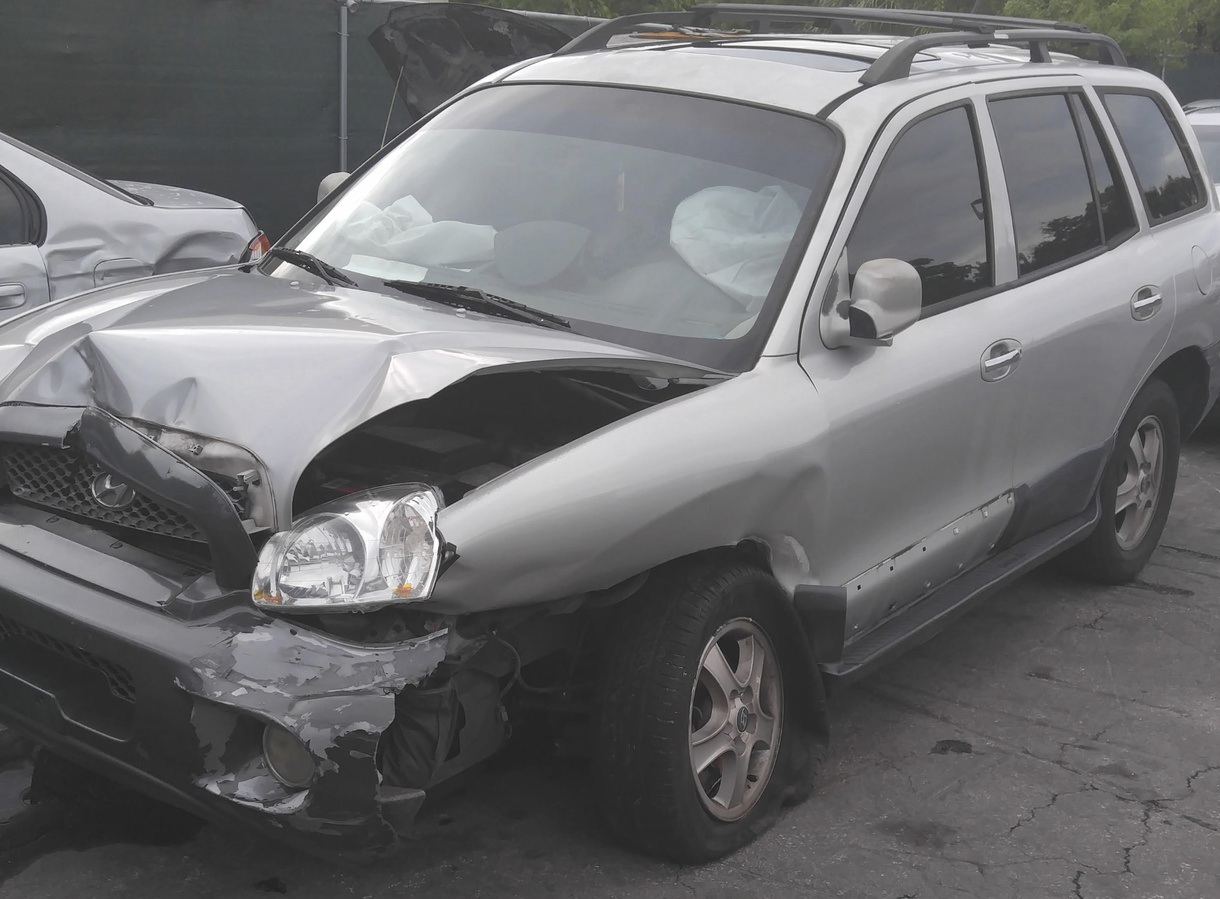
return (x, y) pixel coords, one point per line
(150, 672)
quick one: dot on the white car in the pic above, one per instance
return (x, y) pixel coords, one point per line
(1204, 117)
(63, 231)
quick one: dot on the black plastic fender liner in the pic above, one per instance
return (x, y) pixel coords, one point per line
(157, 472)
(823, 613)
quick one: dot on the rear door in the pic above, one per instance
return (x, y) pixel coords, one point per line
(1101, 238)
(23, 274)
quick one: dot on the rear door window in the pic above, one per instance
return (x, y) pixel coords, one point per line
(1065, 198)
(1054, 216)
(1117, 215)
(1167, 173)
(927, 207)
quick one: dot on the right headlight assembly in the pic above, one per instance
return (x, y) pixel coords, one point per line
(362, 552)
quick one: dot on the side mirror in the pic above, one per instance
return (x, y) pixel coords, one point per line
(885, 298)
(329, 183)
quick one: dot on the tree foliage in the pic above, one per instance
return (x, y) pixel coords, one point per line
(1161, 29)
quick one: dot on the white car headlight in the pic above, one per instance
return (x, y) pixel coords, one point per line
(362, 552)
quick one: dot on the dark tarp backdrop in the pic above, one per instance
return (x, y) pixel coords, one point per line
(1197, 78)
(235, 97)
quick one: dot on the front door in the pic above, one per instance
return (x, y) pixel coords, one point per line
(923, 431)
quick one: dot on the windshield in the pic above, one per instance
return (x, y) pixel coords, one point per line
(654, 220)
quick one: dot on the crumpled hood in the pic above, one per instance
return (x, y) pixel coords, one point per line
(281, 368)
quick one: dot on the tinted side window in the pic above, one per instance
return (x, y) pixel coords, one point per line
(13, 227)
(1165, 175)
(1117, 216)
(927, 208)
(1053, 212)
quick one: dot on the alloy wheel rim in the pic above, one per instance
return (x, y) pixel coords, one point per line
(1139, 484)
(736, 719)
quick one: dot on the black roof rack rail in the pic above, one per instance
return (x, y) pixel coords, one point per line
(972, 29)
(598, 37)
(895, 63)
(767, 16)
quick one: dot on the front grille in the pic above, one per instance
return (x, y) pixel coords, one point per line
(118, 678)
(61, 479)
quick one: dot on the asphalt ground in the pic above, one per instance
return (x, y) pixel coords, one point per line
(1063, 740)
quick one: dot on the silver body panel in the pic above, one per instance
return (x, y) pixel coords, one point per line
(97, 235)
(882, 470)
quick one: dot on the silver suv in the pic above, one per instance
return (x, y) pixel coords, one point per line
(636, 394)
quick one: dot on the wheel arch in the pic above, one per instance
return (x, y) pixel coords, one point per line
(801, 641)
(1187, 374)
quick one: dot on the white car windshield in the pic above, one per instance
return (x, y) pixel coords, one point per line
(655, 220)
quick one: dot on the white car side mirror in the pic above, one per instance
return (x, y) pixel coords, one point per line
(886, 297)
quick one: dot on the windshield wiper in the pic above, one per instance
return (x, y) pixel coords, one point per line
(477, 300)
(313, 265)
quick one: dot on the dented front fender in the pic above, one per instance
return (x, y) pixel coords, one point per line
(714, 468)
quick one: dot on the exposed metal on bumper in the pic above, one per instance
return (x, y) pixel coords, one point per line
(115, 680)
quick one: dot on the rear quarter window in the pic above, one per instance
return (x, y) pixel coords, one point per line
(1167, 173)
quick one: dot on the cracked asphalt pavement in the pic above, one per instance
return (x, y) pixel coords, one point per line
(1063, 740)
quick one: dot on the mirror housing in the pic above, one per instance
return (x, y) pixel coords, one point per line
(329, 183)
(885, 298)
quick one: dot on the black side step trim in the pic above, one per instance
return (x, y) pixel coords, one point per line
(929, 616)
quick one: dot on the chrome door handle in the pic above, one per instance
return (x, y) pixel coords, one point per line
(1000, 359)
(11, 295)
(1145, 304)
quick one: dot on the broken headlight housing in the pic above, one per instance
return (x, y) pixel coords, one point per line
(362, 552)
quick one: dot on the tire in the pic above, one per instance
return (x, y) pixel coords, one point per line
(1136, 490)
(661, 705)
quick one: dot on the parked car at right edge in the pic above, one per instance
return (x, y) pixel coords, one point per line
(1204, 117)
(641, 390)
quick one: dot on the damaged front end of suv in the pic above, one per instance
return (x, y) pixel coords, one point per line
(295, 543)
(199, 627)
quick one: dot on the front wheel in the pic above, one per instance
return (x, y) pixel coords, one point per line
(695, 751)
(1136, 489)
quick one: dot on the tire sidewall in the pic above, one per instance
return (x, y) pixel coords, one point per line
(753, 597)
(1157, 400)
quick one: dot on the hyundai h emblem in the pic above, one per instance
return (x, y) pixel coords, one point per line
(111, 493)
